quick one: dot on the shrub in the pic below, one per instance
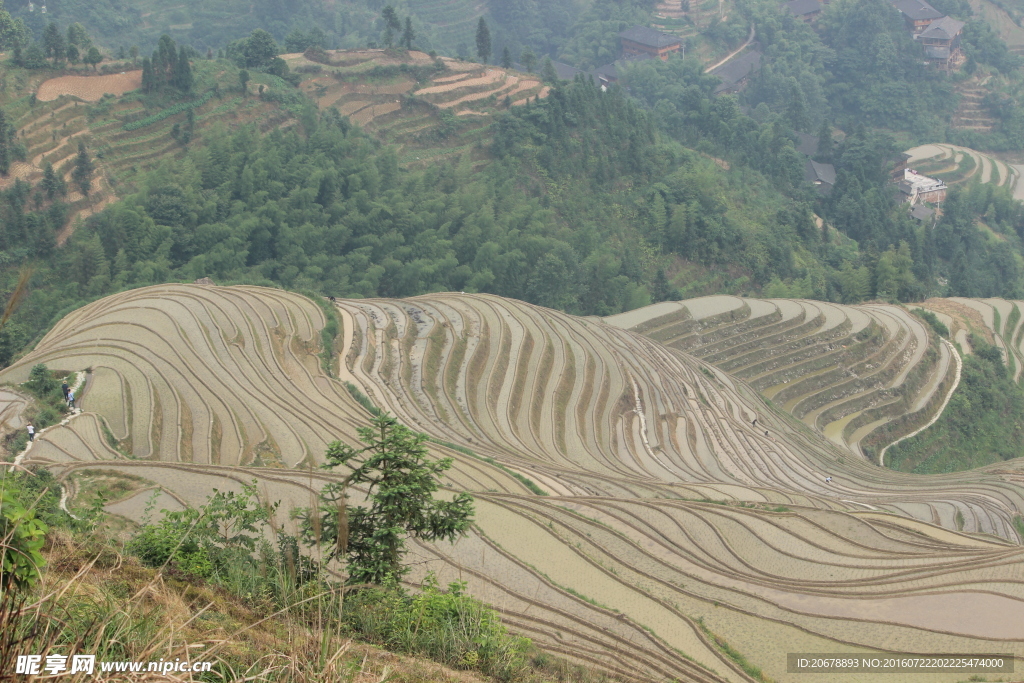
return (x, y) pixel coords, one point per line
(446, 625)
(170, 111)
(21, 538)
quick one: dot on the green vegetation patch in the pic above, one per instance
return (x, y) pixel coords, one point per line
(983, 423)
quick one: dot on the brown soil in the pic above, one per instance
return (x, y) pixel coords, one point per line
(89, 88)
(956, 310)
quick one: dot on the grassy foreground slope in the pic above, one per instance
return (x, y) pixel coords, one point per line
(628, 563)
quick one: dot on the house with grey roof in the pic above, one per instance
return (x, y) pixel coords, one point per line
(642, 40)
(735, 73)
(822, 176)
(918, 14)
(941, 41)
(803, 9)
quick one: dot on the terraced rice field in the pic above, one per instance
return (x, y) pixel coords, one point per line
(857, 374)
(998, 321)
(62, 117)
(671, 524)
(404, 113)
(955, 164)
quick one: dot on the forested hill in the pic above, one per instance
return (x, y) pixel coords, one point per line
(587, 201)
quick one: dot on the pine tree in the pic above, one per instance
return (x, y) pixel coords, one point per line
(483, 41)
(183, 73)
(548, 73)
(6, 137)
(82, 175)
(408, 35)
(826, 146)
(506, 59)
(49, 180)
(391, 24)
(148, 79)
(528, 59)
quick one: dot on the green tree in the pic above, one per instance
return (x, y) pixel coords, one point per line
(12, 31)
(134, 52)
(82, 175)
(826, 146)
(483, 41)
(6, 143)
(401, 481)
(52, 183)
(53, 43)
(391, 24)
(94, 57)
(408, 35)
(548, 72)
(506, 59)
(528, 59)
(148, 78)
(243, 81)
(260, 48)
(183, 73)
(78, 37)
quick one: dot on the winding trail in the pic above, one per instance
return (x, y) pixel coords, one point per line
(77, 411)
(938, 414)
(750, 39)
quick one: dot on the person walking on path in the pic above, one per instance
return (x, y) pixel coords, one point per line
(71, 400)
(31, 432)
(64, 388)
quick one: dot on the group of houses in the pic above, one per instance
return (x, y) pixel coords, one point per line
(938, 34)
(641, 43)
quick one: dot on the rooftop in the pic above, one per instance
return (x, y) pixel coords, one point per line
(922, 212)
(649, 37)
(917, 9)
(736, 69)
(945, 28)
(564, 71)
(819, 173)
(914, 183)
(802, 8)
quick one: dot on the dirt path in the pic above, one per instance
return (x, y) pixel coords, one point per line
(750, 39)
(75, 413)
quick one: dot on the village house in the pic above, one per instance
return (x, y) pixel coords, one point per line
(610, 73)
(641, 40)
(736, 72)
(941, 42)
(822, 176)
(806, 10)
(917, 13)
(916, 188)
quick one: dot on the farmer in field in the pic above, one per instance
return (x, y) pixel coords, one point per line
(31, 432)
(64, 388)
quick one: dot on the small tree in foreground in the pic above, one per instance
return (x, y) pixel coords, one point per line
(401, 480)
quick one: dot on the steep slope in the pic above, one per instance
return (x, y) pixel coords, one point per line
(861, 375)
(627, 563)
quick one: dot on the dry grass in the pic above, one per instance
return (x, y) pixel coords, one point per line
(89, 88)
(94, 600)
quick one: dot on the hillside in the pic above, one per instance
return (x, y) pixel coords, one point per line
(126, 132)
(675, 540)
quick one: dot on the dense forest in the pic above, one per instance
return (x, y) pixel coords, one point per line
(591, 202)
